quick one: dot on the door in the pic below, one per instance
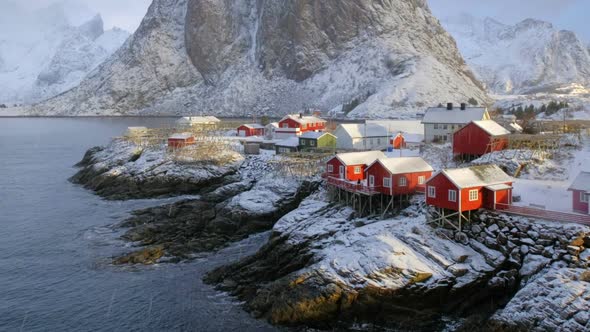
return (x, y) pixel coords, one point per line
(371, 181)
(242, 133)
(342, 172)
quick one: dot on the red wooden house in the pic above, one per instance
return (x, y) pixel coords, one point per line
(254, 129)
(581, 193)
(295, 125)
(478, 138)
(469, 189)
(351, 166)
(398, 176)
(398, 142)
(177, 141)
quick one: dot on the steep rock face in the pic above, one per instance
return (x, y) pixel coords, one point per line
(527, 57)
(236, 57)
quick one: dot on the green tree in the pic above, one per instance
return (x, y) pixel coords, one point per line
(473, 101)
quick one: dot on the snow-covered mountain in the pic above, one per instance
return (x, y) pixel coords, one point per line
(42, 52)
(391, 57)
(528, 57)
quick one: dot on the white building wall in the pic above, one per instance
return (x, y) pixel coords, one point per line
(442, 130)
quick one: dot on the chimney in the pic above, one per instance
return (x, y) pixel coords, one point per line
(463, 106)
(450, 106)
(301, 115)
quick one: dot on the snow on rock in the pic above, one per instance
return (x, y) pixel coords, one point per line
(555, 301)
(48, 51)
(124, 170)
(394, 59)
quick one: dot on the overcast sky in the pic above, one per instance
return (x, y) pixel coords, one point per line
(564, 14)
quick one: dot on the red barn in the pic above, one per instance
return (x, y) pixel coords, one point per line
(478, 138)
(581, 193)
(469, 189)
(177, 141)
(247, 130)
(295, 125)
(398, 176)
(351, 166)
(398, 142)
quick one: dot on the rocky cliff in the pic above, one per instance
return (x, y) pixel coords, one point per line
(224, 57)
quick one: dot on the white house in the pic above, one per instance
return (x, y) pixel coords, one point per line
(441, 122)
(189, 121)
(508, 121)
(376, 134)
(270, 130)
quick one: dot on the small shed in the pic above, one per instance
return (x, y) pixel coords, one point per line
(468, 189)
(270, 130)
(180, 140)
(288, 145)
(351, 166)
(317, 141)
(251, 129)
(580, 189)
(198, 121)
(398, 142)
(478, 138)
(398, 176)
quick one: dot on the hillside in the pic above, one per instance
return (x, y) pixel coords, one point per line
(390, 57)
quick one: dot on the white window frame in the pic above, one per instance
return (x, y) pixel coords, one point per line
(387, 182)
(371, 181)
(432, 191)
(421, 179)
(473, 195)
(403, 181)
(583, 197)
(330, 168)
(311, 143)
(358, 170)
(452, 195)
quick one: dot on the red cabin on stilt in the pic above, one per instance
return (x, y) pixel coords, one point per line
(254, 129)
(398, 176)
(351, 166)
(478, 138)
(177, 141)
(580, 189)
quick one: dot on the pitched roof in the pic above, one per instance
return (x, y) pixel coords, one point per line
(305, 119)
(289, 142)
(356, 130)
(456, 115)
(582, 182)
(476, 176)
(314, 134)
(273, 124)
(405, 165)
(400, 126)
(254, 126)
(358, 158)
(492, 127)
(181, 136)
(199, 119)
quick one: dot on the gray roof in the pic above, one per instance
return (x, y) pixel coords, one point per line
(454, 116)
(582, 182)
(314, 134)
(289, 142)
(254, 125)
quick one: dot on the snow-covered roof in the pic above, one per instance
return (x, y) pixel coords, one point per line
(359, 158)
(405, 165)
(137, 128)
(273, 125)
(492, 127)
(411, 138)
(181, 136)
(582, 182)
(400, 126)
(314, 134)
(456, 115)
(476, 176)
(516, 127)
(356, 130)
(253, 126)
(498, 187)
(198, 119)
(304, 119)
(289, 142)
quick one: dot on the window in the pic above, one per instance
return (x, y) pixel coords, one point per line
(583, 197)
(303, 142)
(330, 168)
(473, 195)
(285, 125)
(378, 141)
(431, 192)
(403, 182)
(303, 126)
(421, 179)
(452, 195)
(387, 182)
(311, 143)
(436, 126)
(357, 170)
(371, 180)
(445, 127)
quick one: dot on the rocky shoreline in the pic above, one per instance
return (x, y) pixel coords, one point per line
(323, 269)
